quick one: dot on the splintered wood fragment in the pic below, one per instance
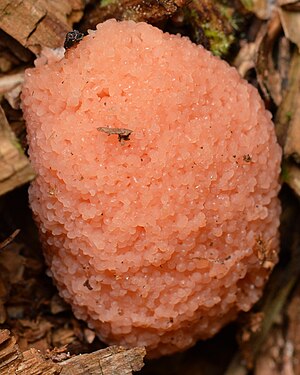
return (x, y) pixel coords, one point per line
(113, 360)
(110, 361)
(33, 363)
(9, 239)
(10, 354)
(39, 23)
(15, 169)
(16, 49)
(123, 134)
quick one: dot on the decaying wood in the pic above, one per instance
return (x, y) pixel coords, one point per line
(39, 23)
(110, 361)
(12, 53)
(15, 169)
(136, 10)
(10, 354)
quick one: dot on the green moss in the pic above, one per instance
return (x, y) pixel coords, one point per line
(105, 3)
(248, 4)
(213, 24)
(284, 175)
(289, 116)
(219, 42)
(18, 146)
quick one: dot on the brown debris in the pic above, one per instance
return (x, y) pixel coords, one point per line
(14, 166)
(9, 239)
(264, 252)
(289, 12)
(111, 361)
(10, 87)
(43, 23)
(58, 305)
(247, 158)
(252, 324)
(267, 74)
(253, 341)
(292, 177)
(262, 8)
(293, 335)
(123, 134)
(288, 115)
(136, 10)
(270, 360)
(9, 352)
(12, 53)
(280, 354)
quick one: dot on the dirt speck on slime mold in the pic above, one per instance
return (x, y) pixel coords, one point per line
(163, 239)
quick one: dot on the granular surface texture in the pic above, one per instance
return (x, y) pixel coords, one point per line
(161, 229)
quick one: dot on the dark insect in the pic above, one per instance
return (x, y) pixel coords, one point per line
(123, 134)
(72, 38)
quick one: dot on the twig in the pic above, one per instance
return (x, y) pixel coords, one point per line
(9, 239)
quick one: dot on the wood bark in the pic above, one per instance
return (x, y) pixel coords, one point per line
(110, 361)
(39, 23)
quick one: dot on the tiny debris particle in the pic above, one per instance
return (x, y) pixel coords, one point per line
(123, 134)
(247, 158)
(87, 284)
(72, 38)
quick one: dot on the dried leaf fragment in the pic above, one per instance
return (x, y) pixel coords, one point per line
(290, 21)
(261, 8)
(123, 134)
(288, 114)
(267, 74)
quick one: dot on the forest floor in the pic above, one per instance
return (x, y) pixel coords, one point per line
(38, 332)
